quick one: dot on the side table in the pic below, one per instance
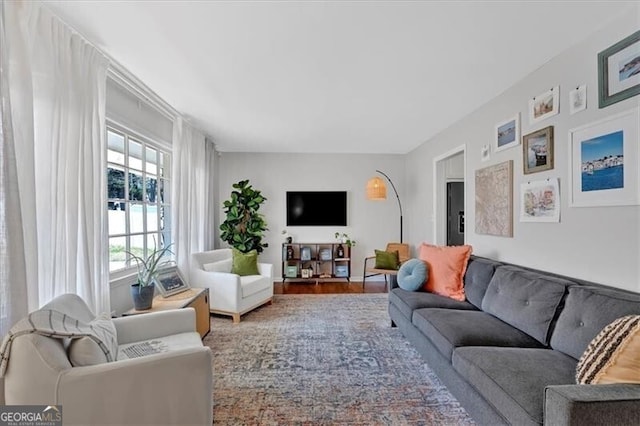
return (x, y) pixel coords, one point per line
(197, 298)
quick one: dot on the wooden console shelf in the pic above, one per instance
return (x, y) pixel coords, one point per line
(316, 262)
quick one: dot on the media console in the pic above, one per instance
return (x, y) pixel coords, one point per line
(316, 262)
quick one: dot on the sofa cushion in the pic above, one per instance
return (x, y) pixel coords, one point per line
(412, 275)
(477, 278)
(513, 379)
(525, 299)
(408, 301)
(387, 259)
(612, 356)
(449, 329)
(587, 310)
(219, 266)
(85, 351)
(447, 265)
(245, 263)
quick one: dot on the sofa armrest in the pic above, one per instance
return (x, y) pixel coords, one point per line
(167, 388)
(135, 328)
(617, 404)
(266, 270)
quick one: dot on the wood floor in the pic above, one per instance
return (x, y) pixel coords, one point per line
(329, 287)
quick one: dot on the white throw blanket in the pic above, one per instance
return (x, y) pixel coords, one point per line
(55, 324)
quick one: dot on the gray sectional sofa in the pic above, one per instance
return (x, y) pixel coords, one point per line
(509, 352)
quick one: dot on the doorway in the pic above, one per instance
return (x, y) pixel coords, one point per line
(455, 213)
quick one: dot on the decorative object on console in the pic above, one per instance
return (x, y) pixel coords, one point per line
(305, 253)
(494, 200)
(618, 76)
(345, 239)
(604, 162)
(325, 253)
(537, 151)
(612, 356)
(377, 191)
(291, 271)
(244, 226)
(169, 281)
(340, 252)
(507, 133)
(447, 265)
(544, 105)
(289, 252)
(412, 275)
(287, 238)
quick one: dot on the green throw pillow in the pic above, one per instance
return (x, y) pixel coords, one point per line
(245, 263)
(387, 259)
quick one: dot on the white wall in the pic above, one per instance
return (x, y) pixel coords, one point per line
(371, 223)
(598, 243)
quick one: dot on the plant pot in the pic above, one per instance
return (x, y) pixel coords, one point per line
(142, 296)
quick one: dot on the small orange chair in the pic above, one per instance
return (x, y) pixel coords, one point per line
(370, 271)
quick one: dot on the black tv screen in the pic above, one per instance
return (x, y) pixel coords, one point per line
(316, 208)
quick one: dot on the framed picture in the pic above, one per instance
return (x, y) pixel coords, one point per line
(507, 133)
(494, 200)
(604, 162)
(619, 71)
(537, 151)
(544, 105)
(578, 99)
(169, 282)
(305, 253)
(540, 201)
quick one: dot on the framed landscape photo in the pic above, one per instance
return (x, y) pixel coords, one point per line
(169, 282)
(540, 201)
(537, 151)
(544, 105)
(507, 133)
(604, 162)
(619, 71)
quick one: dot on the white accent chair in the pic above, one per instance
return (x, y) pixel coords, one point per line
(230, 294)
(171, 387)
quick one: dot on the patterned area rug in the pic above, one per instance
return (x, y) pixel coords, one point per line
(321, 360)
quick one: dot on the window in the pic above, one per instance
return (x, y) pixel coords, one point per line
(138, 194)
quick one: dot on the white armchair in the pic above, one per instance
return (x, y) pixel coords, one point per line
(171, 387)
(230, 294)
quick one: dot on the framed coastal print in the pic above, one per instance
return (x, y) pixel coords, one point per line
(578, 99)
(169, 281)
(619, 71)
(507, 133)
(537, 151)
(494, 200)
(604, 162)
(544, 105)
(540, 201)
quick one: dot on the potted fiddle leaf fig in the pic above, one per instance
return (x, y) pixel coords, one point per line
(148, 268)
(244, 226)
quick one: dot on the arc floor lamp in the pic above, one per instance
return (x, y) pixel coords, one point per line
(377, 190)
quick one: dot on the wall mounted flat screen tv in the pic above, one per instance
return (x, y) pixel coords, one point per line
(317, 208)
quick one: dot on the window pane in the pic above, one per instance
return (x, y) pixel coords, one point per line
(115, 151)
(137, 248)
(164, 191)
(152, 188)
(135, 186)
(117, 255)
(162, 216)
(115, 183)
(135, 155)
(117, 219)
(165, 165)
(152, 161)
(152, 217)
(136, 219)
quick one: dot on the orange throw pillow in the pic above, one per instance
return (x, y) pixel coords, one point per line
(447, 265)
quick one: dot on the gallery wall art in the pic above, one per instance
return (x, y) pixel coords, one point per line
(494, 200)
(540, 201)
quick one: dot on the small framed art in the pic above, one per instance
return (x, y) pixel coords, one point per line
(619, 71)
(544, 105)
(537, 151)
(507, 133)
(169, 282)
(578, 99)
(540, 201)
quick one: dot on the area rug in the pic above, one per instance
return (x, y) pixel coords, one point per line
(323, 360)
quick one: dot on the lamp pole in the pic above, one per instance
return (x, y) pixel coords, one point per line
(398, 197)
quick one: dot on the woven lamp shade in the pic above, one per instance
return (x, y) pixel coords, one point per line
(376, 189)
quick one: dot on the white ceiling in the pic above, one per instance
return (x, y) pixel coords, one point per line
(358, 77)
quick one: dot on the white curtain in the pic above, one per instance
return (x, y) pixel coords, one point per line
(57, 87)
(192, 214)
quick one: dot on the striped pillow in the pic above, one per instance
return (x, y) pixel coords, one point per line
(613, 356)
